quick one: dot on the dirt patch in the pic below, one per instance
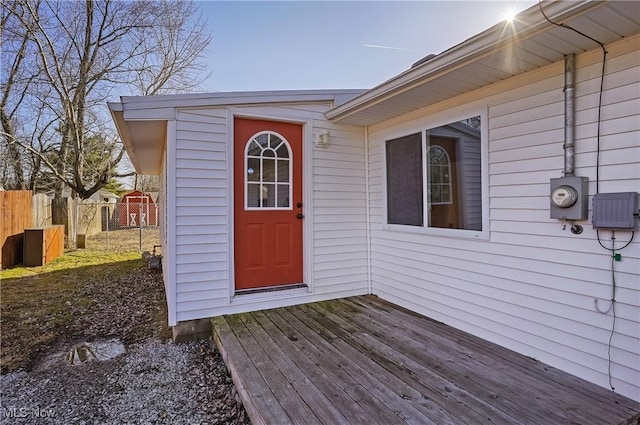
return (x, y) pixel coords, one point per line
(48, 313)
(131, 308)
(55, 303)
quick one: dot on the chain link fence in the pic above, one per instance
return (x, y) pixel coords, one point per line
(118, 227)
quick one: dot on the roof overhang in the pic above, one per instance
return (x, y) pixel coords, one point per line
(144, 140)
(501, 52)
(141, 121)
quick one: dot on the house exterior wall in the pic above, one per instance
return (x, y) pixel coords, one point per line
(335, 211)
(162, 222)
(529, 284)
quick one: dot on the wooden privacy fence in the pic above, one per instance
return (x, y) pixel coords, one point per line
(78, 216)
(19, 210)
(15, 216)
(41, 210)
(93, 217)
(81, 219)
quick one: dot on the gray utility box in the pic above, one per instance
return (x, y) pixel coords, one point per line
(575, 192)
(615, 210)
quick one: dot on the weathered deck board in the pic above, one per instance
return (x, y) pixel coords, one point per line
(455, 402)
(565, 389)
(258, 399)
(355, 382)
(362, 360)
(464, 369)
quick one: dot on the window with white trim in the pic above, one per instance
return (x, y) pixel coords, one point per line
(268, 172)
(434, 178)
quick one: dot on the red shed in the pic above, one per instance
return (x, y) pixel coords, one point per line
(137, 209)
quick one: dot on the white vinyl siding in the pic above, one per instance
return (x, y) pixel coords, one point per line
(339, 212)
(162, 216)
(201, 222)
(531, 286)
(337, 245)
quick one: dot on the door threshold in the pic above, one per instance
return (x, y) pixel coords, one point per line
(267, 289)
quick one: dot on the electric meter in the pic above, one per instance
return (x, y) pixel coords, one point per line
(568, 199)
(564, 196)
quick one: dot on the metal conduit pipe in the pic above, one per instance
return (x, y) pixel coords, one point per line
(569, 113)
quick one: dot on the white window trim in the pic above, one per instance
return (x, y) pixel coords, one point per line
(421, 125)
(246, 180)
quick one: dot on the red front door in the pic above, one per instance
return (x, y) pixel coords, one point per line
(267, 203)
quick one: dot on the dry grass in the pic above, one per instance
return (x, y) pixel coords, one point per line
(125, 240)
(82, 294)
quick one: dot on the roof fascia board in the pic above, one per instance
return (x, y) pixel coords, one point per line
(149, 114)
(234, 98)
(475, 48)
(115, 106)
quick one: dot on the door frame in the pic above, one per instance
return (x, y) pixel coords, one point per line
(307, 200)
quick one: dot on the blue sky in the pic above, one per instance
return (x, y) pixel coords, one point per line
(330, 44)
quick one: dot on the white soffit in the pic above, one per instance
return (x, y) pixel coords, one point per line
(501, 52)
(143, 140)
(149, 144)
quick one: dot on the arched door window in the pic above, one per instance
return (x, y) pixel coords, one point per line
(268, 171)
(439, 183)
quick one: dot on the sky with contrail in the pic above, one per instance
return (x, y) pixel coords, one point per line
(333, 44)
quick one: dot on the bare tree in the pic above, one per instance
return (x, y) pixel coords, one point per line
(63, 61)
(15, 30)
(174, 46)
(146, 183)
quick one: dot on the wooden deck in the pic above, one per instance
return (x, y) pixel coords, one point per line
(362, 360)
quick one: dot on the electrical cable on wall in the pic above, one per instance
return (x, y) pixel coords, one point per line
(604, 61)
(614, 255)
(612, 302)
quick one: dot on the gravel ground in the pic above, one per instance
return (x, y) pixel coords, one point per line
(153, 382)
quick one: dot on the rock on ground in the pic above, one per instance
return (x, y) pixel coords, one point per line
(153, 382)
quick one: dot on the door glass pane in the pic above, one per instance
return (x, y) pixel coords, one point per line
(274, 141)
(283, 195)
(283, 171)
(434, 173)
(254, 149)
(282, 151)
(262, 140)
(268, 170)
(253, 195)
(436, 193)
(253, 169)
(268, 195)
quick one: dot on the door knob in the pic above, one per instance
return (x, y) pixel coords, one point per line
(299, 216)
